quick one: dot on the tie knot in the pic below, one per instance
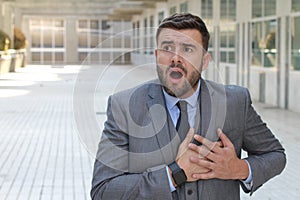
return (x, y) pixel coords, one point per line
(182, 105)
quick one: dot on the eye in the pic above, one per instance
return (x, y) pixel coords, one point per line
(188, 49)
(167, 48)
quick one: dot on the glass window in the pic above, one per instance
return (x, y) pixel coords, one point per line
(228, 10)
(35, 57)
(232, 9)
(223, 36)
(207, 9)
(256, 8)
(295, 5)
(138, 28)
(270, 43)
(36, 38)
(228, 31)
(264, 43)
(262, 8)
(295, 37)
(228, 42)
(145, 26)
(35, 22)
(82, 24)
(152, 24)
(184, 7)
(172, 10)
(223, 57)
(270, 7)
(59, 39)
(256, 43)
(48, 38)
(59, 57)
(160, 17)
(94, 24)
(59, 23)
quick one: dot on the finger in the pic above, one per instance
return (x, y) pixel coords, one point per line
(220, 144)
(204, 152)
(224, 139)
(201, 150)
(212, 146)
(203, 162)
(203, 176)
(189, 136)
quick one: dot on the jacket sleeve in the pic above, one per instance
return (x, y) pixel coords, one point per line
(265, 153)
(112, 178)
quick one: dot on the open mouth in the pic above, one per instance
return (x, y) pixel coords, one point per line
(176, 74)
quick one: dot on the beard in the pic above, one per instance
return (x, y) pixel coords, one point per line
(178, 90)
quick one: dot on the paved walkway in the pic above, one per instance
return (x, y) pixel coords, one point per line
(45, 153)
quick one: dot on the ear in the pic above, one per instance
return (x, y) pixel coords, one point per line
(155, 53)
(206, 60)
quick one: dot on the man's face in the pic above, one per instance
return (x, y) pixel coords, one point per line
(180, 58)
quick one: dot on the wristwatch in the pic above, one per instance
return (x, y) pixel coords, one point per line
(178, 174)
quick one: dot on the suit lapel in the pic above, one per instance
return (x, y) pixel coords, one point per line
(212, 109)
(205, 108)
(166, 137)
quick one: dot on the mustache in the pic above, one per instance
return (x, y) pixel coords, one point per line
(178, 65)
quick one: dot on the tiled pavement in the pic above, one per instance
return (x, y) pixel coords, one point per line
(42, 156)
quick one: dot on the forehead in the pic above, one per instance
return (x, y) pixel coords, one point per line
(192, 36)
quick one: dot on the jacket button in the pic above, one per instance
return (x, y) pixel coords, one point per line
(190, 192)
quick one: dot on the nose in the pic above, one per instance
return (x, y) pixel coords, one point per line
(176, 58)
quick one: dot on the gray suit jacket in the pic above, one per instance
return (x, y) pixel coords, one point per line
(139, 140)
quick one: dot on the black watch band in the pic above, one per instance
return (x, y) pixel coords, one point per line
(178, 174)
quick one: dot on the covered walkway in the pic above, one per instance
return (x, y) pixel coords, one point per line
(45, 155)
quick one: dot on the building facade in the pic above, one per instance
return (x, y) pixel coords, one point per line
(254, 43)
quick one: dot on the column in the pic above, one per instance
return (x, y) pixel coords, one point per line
(71, 44)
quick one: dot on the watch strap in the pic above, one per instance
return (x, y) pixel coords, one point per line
(178, 174)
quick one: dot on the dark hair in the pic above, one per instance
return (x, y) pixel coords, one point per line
(185, 21)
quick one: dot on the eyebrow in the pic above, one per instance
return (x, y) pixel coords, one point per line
(188, 45)
(167, 42)
(183, 44)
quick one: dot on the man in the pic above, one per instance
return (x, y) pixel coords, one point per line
(181, 137)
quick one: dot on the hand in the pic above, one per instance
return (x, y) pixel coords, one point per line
(184, 156)
(221, 161)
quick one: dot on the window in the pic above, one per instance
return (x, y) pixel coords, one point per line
(228, 10)
(207, 9)
(264, 43)
(145, 36)
(172, 10)
(184, 7)
(161, 16)
(152, 34)
(264, 50)
(88, 33)
(295, 5)
(138, 36)
(262, 8)
(102, 40)
(228, 31)
(295, 57)
(47, 40)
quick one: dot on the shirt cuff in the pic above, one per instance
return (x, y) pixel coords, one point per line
(172, 187)
(248, 183)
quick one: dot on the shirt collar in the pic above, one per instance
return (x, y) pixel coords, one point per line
(191, 100)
